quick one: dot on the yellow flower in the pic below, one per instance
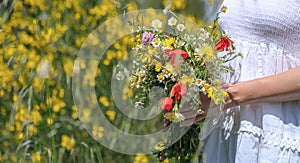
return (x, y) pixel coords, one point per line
(207, 86)
(35, 117)
(140, 158)
(104, 101)
(20, 136)
(68, 66)
(208, 51)
(74, 113)
(224, 9)
(166, 161)
(36, 157)
(49, 121)
(170, 42)
(67, 142)
(158, 68)
(111, 115)
(97, 131)
(32, 130)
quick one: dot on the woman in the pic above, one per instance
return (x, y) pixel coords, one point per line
(266, 92)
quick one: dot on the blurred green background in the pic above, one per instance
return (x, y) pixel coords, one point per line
(39, 41)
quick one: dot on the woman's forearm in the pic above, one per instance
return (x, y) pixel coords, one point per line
(291, 96)
(262, 88)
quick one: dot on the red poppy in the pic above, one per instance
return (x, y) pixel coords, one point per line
(224, 44)
(178, 90)
(166, 103)
(173, 53)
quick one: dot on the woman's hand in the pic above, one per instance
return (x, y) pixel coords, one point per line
(264, 89)
(194, 116)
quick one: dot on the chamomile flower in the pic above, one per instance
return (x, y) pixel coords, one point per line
(180, 27)
(142, 75)
(120, 76)
(203, 90)
(156, 42)
(199, 82)
(160, 77)
(156, 23)
(166, 73)
(172, 21)
(203, 35)
(138, 47)
(139, 105)
(180, 43)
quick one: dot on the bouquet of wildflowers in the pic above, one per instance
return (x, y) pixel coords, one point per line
(186, 66)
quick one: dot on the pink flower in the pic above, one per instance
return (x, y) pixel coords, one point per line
(178, 90)
(147, 38)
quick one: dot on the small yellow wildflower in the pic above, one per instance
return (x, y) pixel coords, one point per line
(5, 144)
(32, 130)
(209, 53)
(36, 157)
(111, 115)
(170, 42)
(20, 136)
(224, 9)
(140, 158)
(207, 86)
(49, 121)
(158, 68)
(67, 142)
(35, 117)
(104, 101)
(97, 131)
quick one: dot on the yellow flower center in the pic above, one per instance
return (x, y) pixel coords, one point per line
(161, 77)
(142, 75)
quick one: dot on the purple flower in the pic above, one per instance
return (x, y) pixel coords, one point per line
(147, 38)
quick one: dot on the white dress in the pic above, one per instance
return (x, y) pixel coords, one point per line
(268, 34)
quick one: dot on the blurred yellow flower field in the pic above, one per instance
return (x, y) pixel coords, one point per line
(39, 42)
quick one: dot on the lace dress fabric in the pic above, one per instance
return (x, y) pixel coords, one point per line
(267, 32)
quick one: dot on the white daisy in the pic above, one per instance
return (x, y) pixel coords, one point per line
(120, 76)
(180, 27)
(156, 23)
(203, 35)
(166, 73)
(139, 105)
(180, 43)
(156, 42)
(142, 75)
(172, 21)
(160, 77)
(199, 82)
(203, 90)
